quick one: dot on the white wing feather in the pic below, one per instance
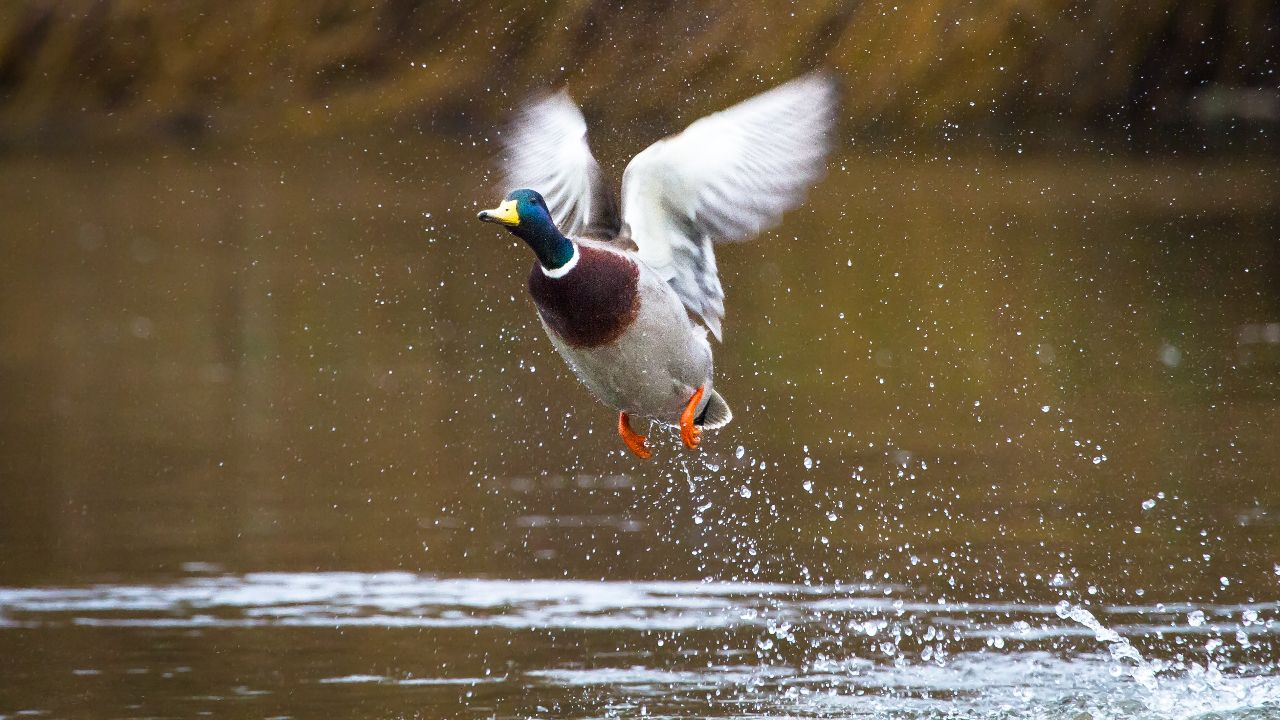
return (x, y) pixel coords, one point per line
(547, 151)
(728, 176)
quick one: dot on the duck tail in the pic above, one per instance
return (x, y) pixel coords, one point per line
(716, 413)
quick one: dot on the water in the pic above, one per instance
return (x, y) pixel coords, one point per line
(283, 437)
(374, 644)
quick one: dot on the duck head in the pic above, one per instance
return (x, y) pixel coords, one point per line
(525, 214)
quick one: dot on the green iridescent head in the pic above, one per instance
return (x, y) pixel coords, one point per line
(525, 214)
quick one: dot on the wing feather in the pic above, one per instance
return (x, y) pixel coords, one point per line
(546, 150)
(727, 177)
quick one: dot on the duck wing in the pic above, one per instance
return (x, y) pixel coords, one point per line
(728, 176)
(546, 150)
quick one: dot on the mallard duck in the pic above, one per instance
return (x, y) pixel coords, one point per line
(628, 297)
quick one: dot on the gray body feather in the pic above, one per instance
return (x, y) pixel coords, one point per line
(656, 364)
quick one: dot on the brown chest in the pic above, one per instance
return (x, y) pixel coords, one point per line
(594, 303)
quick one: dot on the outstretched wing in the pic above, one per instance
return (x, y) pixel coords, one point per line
(547, 151)
(728, 176)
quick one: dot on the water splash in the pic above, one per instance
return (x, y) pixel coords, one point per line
(1180, 689)
(1122, 651)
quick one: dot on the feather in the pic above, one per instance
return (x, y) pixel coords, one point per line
(547, 150)
(727, 177)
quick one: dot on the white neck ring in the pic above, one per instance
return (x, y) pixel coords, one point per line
(563, 269)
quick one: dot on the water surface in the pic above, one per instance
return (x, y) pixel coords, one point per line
(386, 643)
(283, 434)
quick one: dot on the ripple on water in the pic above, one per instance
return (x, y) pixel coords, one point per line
(742, 648)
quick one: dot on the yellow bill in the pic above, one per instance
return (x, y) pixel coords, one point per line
(504, 214)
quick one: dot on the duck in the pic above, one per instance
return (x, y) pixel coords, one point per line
(629, 292)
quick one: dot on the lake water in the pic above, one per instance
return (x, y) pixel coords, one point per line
(283, 436)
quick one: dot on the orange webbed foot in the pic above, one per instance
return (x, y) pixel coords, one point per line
(633, 439)
(689, 432)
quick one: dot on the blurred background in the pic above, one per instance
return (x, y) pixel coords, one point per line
(140, 72)
(1022, 343)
